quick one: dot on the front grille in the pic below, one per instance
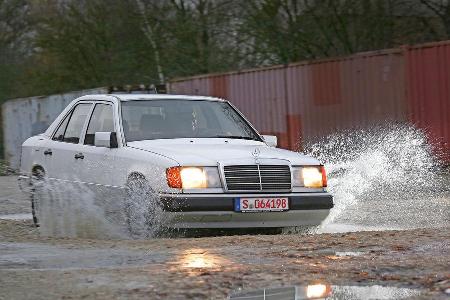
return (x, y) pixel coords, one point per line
(258, 177)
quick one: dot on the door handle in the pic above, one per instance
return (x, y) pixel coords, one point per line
(79, 156)
(48, 152)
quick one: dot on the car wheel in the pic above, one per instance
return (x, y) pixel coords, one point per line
(141, 207)
(37, 180)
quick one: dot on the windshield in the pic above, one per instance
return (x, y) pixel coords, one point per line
(169, 119)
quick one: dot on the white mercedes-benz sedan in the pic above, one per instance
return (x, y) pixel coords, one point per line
(206, 164)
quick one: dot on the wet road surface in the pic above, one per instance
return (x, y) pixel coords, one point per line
(38, 267)
(215, 267)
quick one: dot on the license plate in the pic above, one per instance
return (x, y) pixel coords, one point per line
(261, 204)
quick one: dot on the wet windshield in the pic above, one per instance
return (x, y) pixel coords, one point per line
(169, 119)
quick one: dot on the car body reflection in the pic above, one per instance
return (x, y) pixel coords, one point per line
(326, 291)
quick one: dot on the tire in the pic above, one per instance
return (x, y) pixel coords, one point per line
(37, 180)
(140, 207)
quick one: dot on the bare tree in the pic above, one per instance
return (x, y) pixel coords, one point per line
(282, 31)
(150, 35)
(441, 8)
(14, 25)
(202, 35)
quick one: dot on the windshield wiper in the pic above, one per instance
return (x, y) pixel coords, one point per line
(235, 137)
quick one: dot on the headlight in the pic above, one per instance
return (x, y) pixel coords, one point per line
(310, 176)
(193, 177)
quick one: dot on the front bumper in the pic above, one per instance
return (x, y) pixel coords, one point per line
(217, 211)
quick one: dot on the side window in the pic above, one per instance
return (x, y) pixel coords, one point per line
(101, 121)
(75, 126)
(59, 134)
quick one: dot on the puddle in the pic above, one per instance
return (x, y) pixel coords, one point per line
(438, 247)
(350, 253)
(16, 217)
(32, 256)
(343, 228)
(325, 291)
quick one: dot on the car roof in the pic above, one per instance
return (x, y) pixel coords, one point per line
(134, 97)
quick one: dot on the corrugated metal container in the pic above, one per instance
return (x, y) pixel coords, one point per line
(428, 91)
(305, 101)
(261, 96)
(258, 93)
(25, 117)
(358, 91)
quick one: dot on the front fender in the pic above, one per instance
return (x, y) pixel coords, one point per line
(151, 165)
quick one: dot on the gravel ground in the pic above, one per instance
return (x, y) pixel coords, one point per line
(38, 267)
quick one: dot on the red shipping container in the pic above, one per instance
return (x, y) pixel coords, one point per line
(428, 92)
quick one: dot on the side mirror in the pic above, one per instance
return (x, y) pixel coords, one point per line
(106, 139)
(271, 140)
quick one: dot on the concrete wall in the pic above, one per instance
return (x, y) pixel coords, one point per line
(25, 117)
(1, 135)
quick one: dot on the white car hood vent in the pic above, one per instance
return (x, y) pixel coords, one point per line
(264, 178)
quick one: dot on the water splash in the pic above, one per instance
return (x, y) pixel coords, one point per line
(72, 208)
(386, 177)
(381, 178)
(68, 209)
(145, 216)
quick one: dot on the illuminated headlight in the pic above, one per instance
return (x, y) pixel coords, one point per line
(310, 176)
(193, 177)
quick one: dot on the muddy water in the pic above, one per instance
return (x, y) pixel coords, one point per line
(16, 217)
(32, 256)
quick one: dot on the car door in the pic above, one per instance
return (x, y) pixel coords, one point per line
(64, 148)
(97, 165)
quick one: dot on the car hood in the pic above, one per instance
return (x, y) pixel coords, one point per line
(210, 152)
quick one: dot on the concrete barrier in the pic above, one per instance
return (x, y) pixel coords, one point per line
(25, 117)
